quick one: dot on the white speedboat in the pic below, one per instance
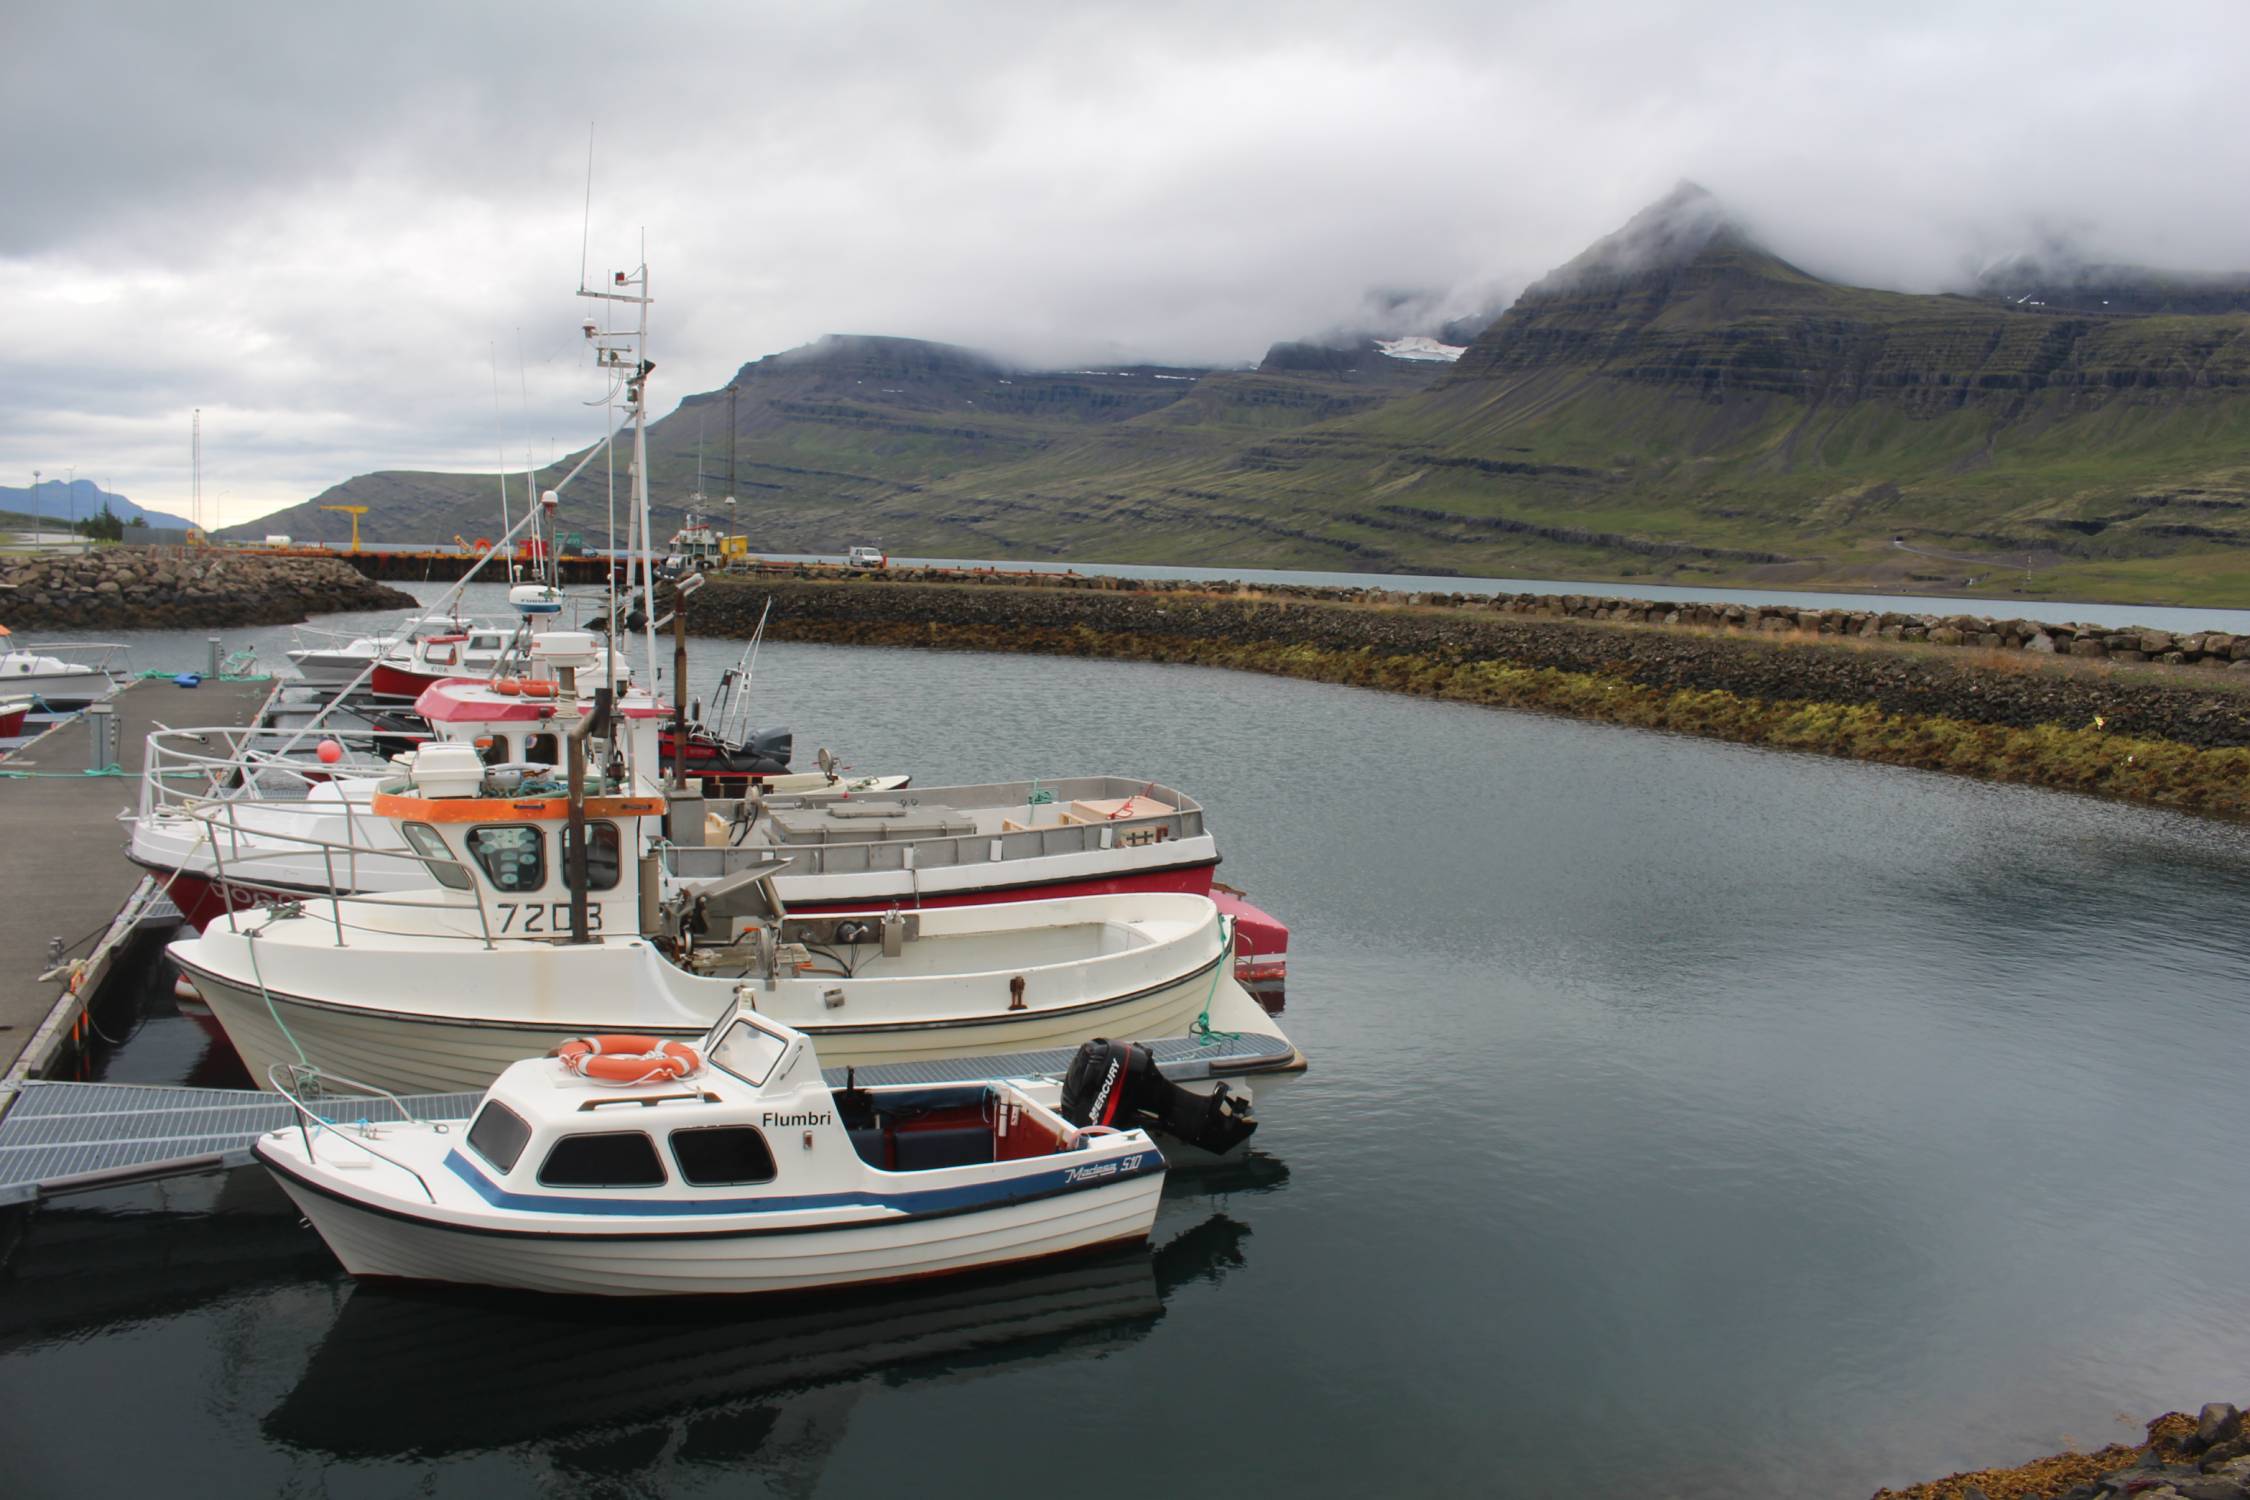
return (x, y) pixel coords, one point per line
(736, 1171)
(58, 680)
(335, 659)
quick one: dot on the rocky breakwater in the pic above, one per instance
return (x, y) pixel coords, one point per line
(2177, 738)
(135, 588)
(2203, 1457)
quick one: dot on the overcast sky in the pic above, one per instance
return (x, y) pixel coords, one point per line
(325, 226)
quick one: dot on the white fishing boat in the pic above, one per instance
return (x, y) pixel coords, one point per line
(736, 1170)
(62, 676)
(436, 991)
(852, 843)
(283, 814)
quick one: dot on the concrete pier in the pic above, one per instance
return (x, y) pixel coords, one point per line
(63, 871)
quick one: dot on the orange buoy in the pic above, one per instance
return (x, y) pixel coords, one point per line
(537, 687)
(627, 1059)
(506, 687)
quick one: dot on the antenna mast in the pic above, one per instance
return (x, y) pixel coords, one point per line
(625, 352)
(195, 465)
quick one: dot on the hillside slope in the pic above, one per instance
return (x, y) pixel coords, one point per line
(1675, 402)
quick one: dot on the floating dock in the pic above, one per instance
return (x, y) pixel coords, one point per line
(63, 869)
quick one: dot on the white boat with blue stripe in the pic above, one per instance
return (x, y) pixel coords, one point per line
(736, 1170)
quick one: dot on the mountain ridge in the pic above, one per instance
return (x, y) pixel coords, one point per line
(1676, 401)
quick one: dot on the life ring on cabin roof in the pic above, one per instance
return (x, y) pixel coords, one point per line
(627, 1059)
(536, 687)
(506, 687)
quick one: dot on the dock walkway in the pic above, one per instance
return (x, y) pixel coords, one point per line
(63, 869)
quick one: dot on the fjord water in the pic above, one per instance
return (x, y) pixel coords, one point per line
(1684, 1119)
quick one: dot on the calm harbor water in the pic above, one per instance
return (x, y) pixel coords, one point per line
(1685, 1119)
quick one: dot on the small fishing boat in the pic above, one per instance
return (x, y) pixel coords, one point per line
(625, 1166)
(13, 712)
(853, 843)
(335, 659)
(59, 681)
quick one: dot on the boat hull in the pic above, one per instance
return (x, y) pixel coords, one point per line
(60, 689)
(416, 1054)
(388, 681)
(374, 1241)
(201, 901)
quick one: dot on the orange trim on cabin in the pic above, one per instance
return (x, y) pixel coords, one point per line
(505, 809)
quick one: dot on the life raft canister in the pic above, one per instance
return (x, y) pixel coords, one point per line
(625, 1059)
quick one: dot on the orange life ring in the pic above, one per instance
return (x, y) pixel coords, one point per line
(629, 1059)
(506, 687)
(537, 687)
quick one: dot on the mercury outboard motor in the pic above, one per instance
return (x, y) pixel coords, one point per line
(770, 749)
(1117, 1084)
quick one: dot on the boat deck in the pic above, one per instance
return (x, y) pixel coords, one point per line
(62, 855)
(71, 1137)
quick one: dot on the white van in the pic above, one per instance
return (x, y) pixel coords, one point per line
(866, 557)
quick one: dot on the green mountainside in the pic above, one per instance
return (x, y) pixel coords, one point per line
(1676, 403)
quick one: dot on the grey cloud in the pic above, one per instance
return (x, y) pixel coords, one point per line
(317, 222)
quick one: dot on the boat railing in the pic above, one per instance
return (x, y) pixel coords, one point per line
(294, 1080)
(864, 849)
(110, 651)
(241, 850)
(184, 768)
(321, 637)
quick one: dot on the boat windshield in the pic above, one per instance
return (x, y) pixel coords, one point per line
(748, 1053)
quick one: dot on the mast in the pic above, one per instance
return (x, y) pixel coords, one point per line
(195, 463)
(624, 353)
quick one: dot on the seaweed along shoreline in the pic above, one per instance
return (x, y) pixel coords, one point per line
(2011, 701)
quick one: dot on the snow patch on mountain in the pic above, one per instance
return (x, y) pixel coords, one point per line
(1418, 347)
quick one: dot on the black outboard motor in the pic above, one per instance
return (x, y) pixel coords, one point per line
(770, 749)
(1117, 1084)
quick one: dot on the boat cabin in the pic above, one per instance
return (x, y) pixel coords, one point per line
(757, 1115)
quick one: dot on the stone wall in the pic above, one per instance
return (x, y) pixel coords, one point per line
(1773, 664)
(2100, 642)
(133, 588)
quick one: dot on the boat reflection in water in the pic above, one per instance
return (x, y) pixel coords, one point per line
(769, 1383)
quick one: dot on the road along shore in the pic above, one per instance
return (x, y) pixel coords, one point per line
(2174, 734)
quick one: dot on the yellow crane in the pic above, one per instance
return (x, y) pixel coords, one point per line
(355, 512)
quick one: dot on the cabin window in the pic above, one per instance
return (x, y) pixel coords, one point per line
(443, 868)
(748, 1053)
(494, 750)
(440, 656)
(542, 750)
(485, 643)
(722, 1156)
(514, 856)
(499, 1135)
(601, 856)
(624, 1160)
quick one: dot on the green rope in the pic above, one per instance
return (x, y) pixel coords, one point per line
(1040, 796)
(1201, 1030)
(110, 770)
(250, 939)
